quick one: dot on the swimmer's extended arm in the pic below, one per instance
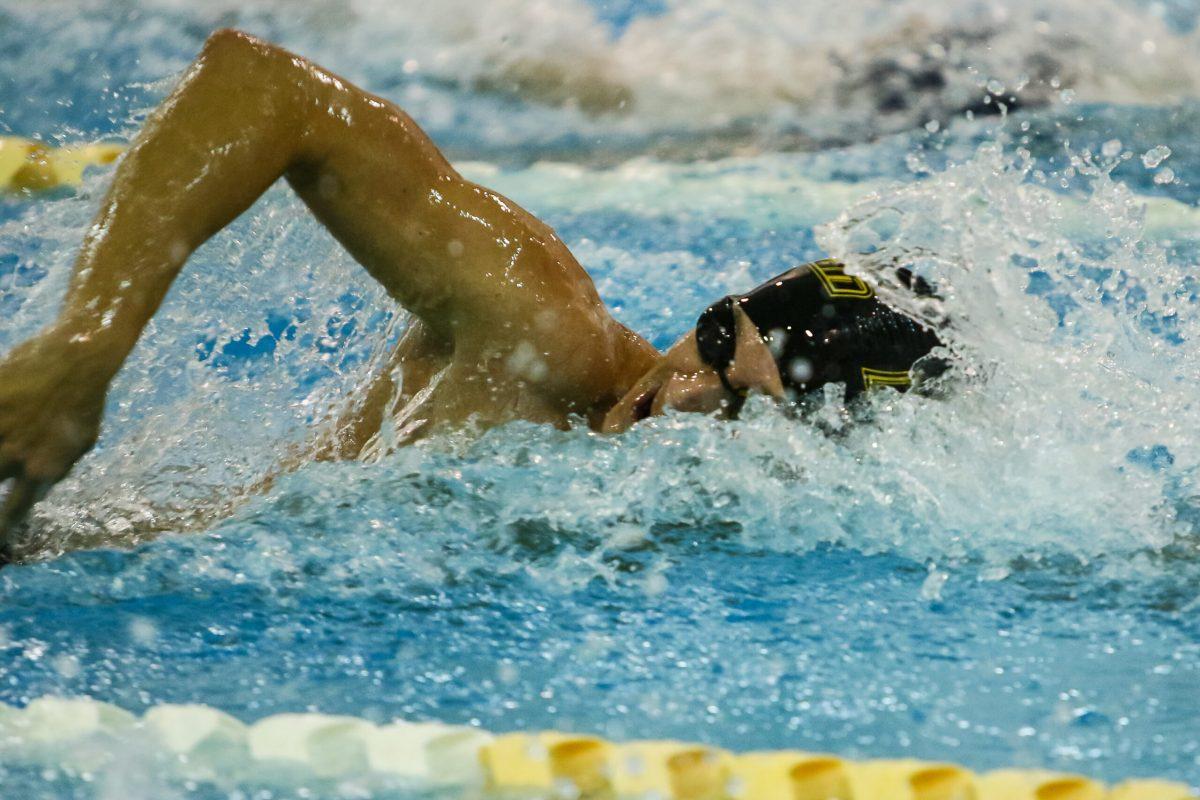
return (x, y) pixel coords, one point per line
(469, 263)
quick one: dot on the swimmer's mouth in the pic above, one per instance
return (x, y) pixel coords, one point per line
(643, 405)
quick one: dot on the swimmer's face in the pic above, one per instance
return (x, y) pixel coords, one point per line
(682, 381)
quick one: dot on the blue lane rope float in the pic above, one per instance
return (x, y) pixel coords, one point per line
(27, 165)
(202, 743)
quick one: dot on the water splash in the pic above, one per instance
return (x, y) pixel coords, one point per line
(1067, 432)
(233, 374)
(1079, 415)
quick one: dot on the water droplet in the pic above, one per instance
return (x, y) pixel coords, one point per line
(67, 666)
(931, 589)
(1155, 156)
(801, 370)
(656, 584)
(143, 631)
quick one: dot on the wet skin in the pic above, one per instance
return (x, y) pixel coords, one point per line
(507, 324)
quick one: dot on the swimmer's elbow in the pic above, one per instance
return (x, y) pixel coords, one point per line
(227, 38)
(233, 43)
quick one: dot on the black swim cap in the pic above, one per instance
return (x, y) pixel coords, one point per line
(822, 326)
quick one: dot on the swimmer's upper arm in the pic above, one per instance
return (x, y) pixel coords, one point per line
(454, 253)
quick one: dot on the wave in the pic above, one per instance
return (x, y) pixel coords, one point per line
(514, 73)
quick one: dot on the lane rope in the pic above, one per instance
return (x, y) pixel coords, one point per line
(203, 743)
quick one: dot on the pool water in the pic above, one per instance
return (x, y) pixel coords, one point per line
(1003, 572)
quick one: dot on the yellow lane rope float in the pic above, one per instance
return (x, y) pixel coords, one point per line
(32, 166)
(202, 743)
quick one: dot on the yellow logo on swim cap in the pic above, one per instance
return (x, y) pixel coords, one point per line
(884, 377)
(837, 283)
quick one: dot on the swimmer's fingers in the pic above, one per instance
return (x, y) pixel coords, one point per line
(22, 494)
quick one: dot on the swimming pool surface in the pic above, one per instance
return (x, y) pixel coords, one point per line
(1007, 573)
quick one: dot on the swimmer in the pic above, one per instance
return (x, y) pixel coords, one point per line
(506, 323)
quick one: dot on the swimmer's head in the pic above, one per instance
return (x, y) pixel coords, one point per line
(810, 326)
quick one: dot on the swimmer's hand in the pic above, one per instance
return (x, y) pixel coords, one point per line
(52, 391)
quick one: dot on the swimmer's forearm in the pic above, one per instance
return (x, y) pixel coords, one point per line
(112, 295)
(209, 151)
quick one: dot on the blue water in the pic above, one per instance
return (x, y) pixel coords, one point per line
(1007, 577)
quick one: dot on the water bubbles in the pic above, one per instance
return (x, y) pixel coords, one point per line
(1164, 176)
(1155, 156)
(1111, 148)
(67, 666)
(143, 631)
